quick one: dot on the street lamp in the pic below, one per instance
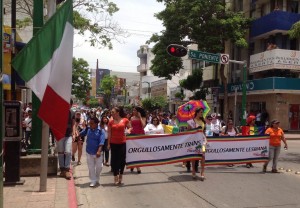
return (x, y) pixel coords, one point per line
(149, 88)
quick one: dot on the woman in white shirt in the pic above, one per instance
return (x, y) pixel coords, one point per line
(154, 127)
(104, 125)
(230, 129)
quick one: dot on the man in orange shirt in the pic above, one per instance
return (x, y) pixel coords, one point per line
(276, 135)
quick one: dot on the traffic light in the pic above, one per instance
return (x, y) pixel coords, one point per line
(176, 50)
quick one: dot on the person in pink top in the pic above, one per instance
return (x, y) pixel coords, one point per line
(138, 123)
(138, 120)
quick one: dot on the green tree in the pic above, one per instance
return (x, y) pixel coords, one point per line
(193, 83)
(210, 24)
(154, 103)
(93, 102)
(106, 88)
(294, 32)
(80, 79)
(92, 19)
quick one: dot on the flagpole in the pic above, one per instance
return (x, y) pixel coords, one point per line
(37, 124)
(51, 7)
(1, 98)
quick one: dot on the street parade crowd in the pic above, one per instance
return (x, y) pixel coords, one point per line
(105, 132)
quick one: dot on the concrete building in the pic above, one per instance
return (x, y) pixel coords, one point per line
(151, 86)
(126, 91)
(273, 83)
(273, 59)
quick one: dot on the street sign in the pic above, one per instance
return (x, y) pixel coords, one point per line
(209, 57)
(224, 58)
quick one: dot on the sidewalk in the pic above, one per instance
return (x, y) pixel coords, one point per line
(60, 194)
(290, 136)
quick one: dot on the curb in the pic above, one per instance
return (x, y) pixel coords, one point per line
(72, 191)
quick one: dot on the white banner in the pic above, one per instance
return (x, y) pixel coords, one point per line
(235, 150)
(275, 59)
(149, 150)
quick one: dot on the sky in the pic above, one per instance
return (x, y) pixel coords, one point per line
(135, 16)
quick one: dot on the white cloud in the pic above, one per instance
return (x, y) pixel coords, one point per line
(137, 17)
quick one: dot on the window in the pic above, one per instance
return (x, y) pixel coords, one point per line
(292, 6)
(238, 5)
(196, 64)
(253, 8)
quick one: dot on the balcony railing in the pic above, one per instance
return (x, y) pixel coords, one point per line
(142, 68)
(275, 59)
(277, 21)
(267, 84)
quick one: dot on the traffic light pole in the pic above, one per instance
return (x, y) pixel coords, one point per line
(244, 96)
(1, 98)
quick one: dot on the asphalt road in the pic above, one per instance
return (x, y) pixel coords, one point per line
(171, 186)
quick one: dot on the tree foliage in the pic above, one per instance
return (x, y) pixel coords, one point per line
(93, 102)
(80, 79)
(294, 32)
(154, 103)
(106, 86)
(208, 23)
(193, 81)
(92, 19)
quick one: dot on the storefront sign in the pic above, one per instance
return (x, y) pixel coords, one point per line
(278, 83)
(275, 59)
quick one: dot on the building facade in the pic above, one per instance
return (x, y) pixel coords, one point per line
(273, 61)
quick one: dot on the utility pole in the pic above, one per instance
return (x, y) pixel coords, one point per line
(13, 48)
(1, 98)
(244, 96)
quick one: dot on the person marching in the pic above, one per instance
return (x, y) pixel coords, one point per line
(230, 129)
(117, 142)
(138, 123)
(198, 122)
(104, 127)
(251, 123)
(77, 139)
(276, 136)
(94, 155)
(154, 127)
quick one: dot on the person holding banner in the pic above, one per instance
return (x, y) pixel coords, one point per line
(276, 136)
(249, 131)
(198, 122)
(138, 123)
(117, 142)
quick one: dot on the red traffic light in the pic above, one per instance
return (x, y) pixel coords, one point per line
(176, 50)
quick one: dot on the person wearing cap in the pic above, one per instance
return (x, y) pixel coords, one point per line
(276, 136)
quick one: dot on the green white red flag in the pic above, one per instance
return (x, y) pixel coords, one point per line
(46, 65)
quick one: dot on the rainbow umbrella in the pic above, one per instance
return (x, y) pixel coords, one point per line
(186, 111)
